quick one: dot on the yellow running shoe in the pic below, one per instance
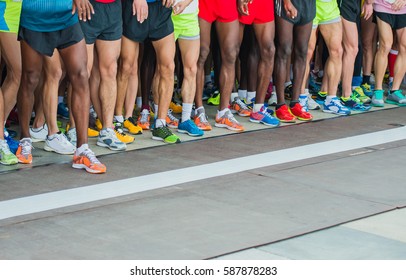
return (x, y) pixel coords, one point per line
(131, 126)
(98, 124)
(90, 131)
(118, 129)
(176, 108)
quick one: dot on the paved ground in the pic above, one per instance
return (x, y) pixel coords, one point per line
(330, 189)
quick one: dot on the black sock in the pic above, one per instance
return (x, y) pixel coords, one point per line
(293, 103)
(366, 79)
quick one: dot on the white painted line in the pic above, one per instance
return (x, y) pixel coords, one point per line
(58, 199)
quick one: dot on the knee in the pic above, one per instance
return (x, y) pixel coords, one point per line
(80, 77)
(268, 53)
(125, 68)
(229, 55)
(109, 72)
(166, 70)
(190, 71)
(384, 47)
(30, 79)
(336, 52)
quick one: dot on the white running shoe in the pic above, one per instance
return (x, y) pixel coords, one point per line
(59, 144)
(71, 135)
(39, 134)
(273, 100)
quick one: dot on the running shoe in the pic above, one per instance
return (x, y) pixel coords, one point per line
(284, 114)
(118, 129)
(311, 104)
(6, 156)
(358, 92)
(63, 110)
(214, 99)
(131, 126)
(367, 89)
(12, 144)
(304, 101)
(354, 104)
(228, 121)
(273, 100)
(262, 116)
(396, 97)
(72, 137)
(314, 87)
(39, 134)
(377, 98)
(201, 121)
(171, 120)
(239, 107)
(321, 97)
(300, 113)
(87, 160)
(24, 151)
(59, 144)
(336, 107)
(164, 134)
(98, 124)
(90, 131)
(190, 128)
(176, 108)
(108, 138)
(289, 92)
(208, 90)
(144, 119)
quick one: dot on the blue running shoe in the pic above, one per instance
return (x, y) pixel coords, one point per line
(63, 111)
(336, 107)
(354, 104)
(190, 128)
(12, 144)
(321, 97)
(264, 117)
(313, 86)
(367, 89)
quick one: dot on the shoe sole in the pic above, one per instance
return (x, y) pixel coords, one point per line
(138, 133)
(50, 149)
(188, 133)
(336, 113)
(101, 144)
(395, 103)
(264, 123)
(378, 105)
(163, 140)
(228, 127)
(8, 163)
(82, 166)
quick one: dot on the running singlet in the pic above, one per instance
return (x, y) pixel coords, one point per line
(47, 15)
(385, 6)
(192, 8)
(10, 15)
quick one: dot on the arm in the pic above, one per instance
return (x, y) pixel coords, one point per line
(290, 9)
(398, 5)
(242, 6)
(179, 7)
(84, 8)
(367, 9)
(140, 8)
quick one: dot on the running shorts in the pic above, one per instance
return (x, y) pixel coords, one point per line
(106, 23)
(218, 10)
(46, 42)
(157, 26)
(260, 11)
(327, 12)
(306, 11)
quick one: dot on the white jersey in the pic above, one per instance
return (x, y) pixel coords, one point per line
(192, 8)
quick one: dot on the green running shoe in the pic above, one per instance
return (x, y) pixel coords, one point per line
(165, 134)
(214, 99)
(358, 92)
(6, 156)
(396, 97)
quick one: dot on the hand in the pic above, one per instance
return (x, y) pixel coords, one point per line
(84, 8)
(140, 8)
(291, 11)
(367, 10)
(179, 7)
(398, 5)
(242, 6)
(168, 3)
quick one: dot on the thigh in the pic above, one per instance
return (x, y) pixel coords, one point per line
(189, 50)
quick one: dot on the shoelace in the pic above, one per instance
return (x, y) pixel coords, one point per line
(367, 87)
(231, 117)
(355, 99)
(164, 132)
(91, 156)
(26, 148)
(171, 116)
(304, 102)
(242, 104)
(119, 130)
(337, 102)
(144, 116)
(5, 148)
(203, 118)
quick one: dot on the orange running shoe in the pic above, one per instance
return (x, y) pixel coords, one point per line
(299, 112)
(23, 153)
(87, 160)
(228, 121)
(171, 120)
(144, 119)
(284, 115)
(202, 122)
(239, 107)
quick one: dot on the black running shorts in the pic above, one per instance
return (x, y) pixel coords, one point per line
(158, 25)
(350, 9)
(306, 11)
(46, 42)
(395, 21)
